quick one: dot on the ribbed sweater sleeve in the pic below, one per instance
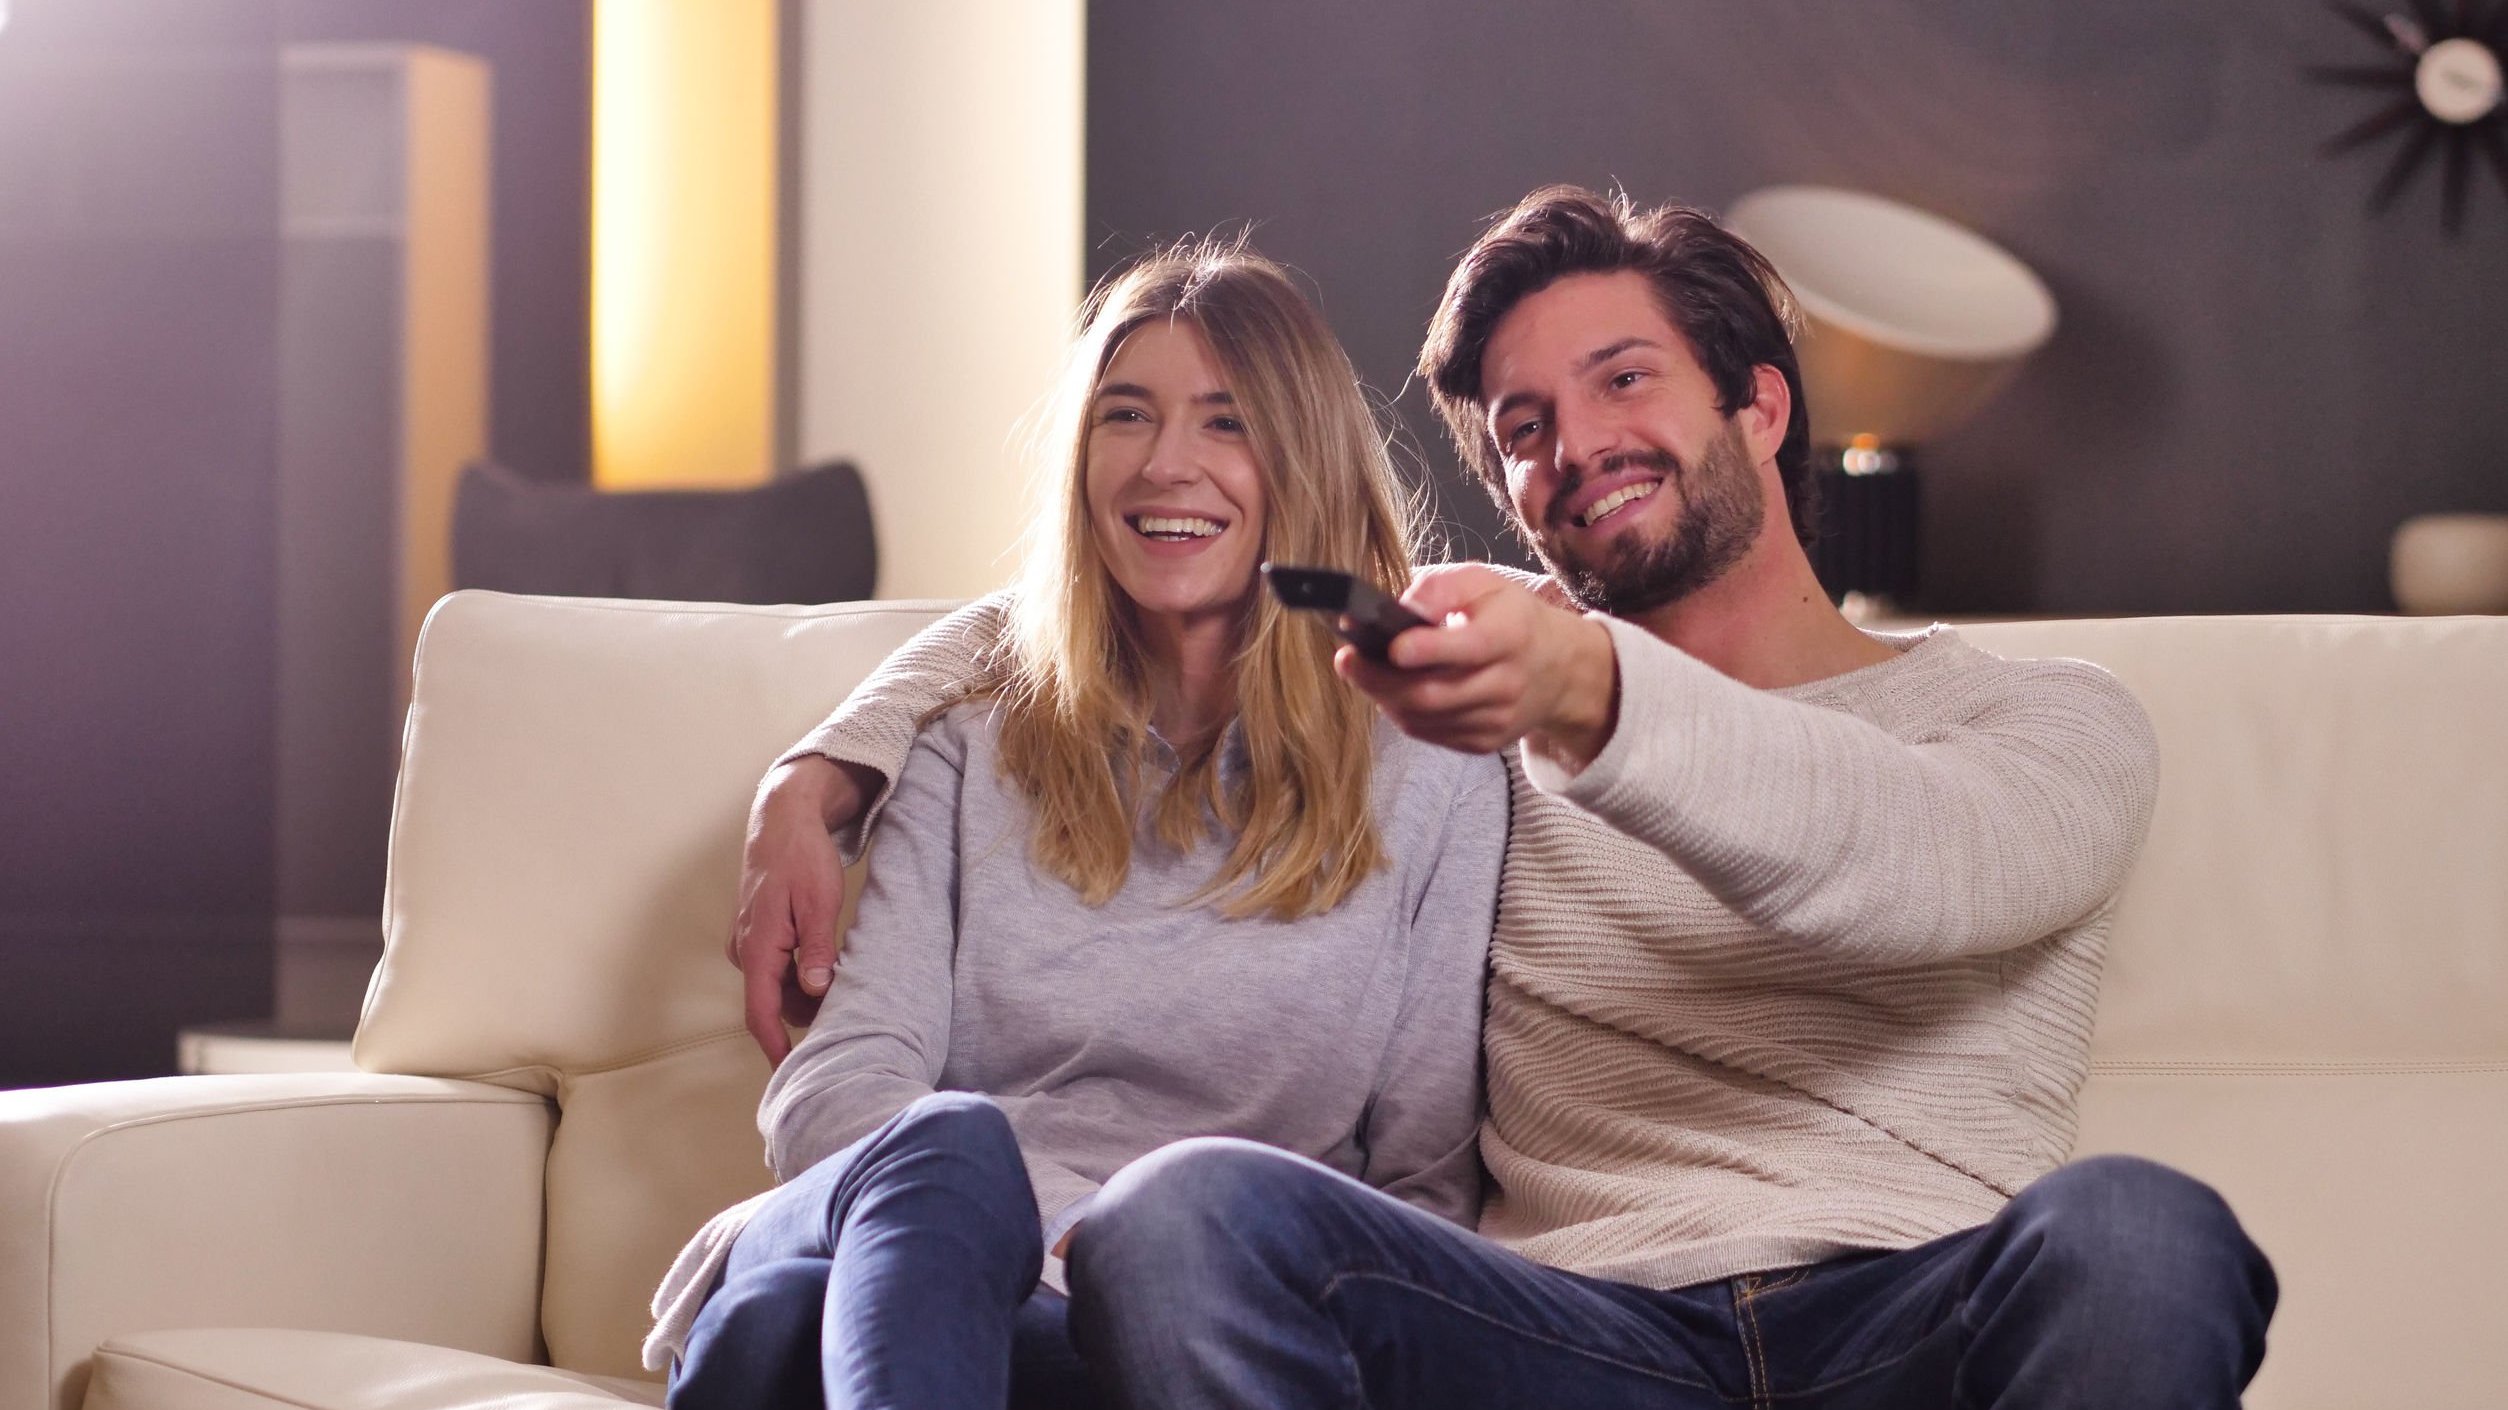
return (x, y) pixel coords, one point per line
(876, 725)
(2016, 820)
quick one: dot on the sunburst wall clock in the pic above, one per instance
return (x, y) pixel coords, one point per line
(2441, 66)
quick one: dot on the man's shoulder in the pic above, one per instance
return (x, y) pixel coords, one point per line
(1952, 686)
(1942, 669)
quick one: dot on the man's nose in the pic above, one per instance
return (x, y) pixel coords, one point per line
(1582, 437)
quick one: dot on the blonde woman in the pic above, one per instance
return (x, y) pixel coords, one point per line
(1161, 876)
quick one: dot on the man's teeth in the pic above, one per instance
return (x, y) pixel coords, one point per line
(1159, 527)
(1623, 495)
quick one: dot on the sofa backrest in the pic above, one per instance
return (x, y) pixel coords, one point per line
(2306, 999)
(565, 859)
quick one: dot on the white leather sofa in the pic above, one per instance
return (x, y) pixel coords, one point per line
(2307, 1004)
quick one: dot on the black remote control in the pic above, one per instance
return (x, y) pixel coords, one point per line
(1363, 614)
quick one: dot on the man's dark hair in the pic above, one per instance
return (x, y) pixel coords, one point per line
(1723, 296)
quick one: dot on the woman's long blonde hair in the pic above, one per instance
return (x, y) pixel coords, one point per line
(1075, 705)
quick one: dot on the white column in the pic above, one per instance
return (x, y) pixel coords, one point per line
(941, 263)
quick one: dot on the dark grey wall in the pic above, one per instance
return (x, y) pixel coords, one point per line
(139, 288)
(2254, 381)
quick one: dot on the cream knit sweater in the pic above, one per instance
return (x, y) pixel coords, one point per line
(1781, 974)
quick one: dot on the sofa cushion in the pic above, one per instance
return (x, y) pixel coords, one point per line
(256, 1369)
(2324, 881)
(575, 779)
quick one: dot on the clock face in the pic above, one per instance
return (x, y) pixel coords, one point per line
(2440, 69)
(2457, 80)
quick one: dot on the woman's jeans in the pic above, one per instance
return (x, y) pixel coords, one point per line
(901, 1272)
(1222, 1273)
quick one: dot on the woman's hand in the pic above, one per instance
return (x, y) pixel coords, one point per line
(792, 890)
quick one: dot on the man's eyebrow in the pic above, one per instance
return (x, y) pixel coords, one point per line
(1508, 403)
(1609, 351)
(1222, 397)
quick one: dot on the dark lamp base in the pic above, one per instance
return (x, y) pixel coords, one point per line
(1868, 541)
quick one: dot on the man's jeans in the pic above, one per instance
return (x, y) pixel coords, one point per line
(1222, 1273)
(900, 1271)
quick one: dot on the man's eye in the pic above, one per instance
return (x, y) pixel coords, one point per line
(1627, 379)
(1521, 429)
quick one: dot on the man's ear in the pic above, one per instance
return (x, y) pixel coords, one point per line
(1769, 412)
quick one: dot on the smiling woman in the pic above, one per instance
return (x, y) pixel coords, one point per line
(1161, 875)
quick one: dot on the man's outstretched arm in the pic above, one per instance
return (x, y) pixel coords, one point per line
(828, 790)
(2017, 817)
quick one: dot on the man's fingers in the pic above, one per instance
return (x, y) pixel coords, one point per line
(814, 958)
(1436, 690)
(763, 945)
(1441, 588)
(1454, 643)
(763, 1003)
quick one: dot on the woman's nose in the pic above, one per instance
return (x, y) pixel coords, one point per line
(1171, 459)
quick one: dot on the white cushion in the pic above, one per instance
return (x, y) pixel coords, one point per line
(257, 1369)
(575, 779)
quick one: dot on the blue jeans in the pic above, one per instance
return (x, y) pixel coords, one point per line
(900, 1271)
(1221, 1273)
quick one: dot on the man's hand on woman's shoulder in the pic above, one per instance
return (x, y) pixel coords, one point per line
(792, 891)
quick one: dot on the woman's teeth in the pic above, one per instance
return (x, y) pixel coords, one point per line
(1596, 511)
(1160, 527)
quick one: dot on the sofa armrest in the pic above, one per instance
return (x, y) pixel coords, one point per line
(402, 1207)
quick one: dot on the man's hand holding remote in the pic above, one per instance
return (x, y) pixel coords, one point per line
(1499, 665)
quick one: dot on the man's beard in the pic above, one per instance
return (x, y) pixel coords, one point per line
(1720, 512)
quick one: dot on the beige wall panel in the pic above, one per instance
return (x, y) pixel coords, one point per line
(941, 262)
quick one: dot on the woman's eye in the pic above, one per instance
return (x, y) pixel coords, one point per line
(1115, 414)
(1228, 424)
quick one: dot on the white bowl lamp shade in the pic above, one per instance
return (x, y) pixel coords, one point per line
(1910, 322)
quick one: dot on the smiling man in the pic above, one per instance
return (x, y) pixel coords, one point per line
(1797, 953)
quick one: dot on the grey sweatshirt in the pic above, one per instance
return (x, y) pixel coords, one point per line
(1781, 974)
(1351, 1037)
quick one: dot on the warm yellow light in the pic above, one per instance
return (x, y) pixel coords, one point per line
(683, 242)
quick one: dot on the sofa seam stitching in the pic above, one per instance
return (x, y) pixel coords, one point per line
(164, 1365)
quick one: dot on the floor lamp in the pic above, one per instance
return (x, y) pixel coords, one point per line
(1910, 323)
